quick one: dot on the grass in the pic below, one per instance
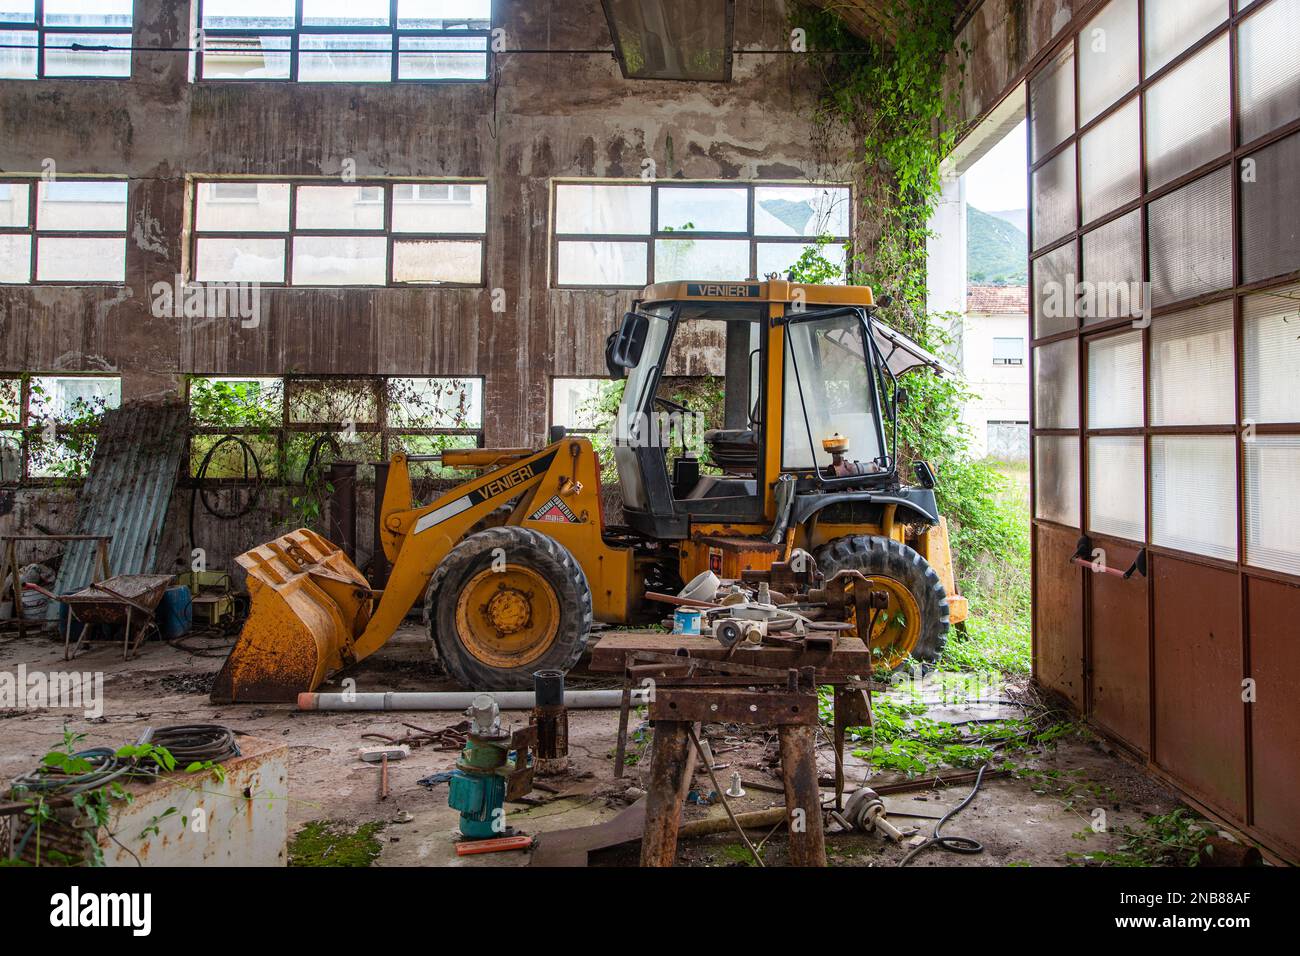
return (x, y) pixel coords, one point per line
(996, 637)
(333, 843)
(994, 644)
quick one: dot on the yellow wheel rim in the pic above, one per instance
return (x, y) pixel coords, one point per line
(897, 628)
(507, 618)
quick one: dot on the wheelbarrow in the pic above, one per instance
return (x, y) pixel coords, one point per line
(124, 600)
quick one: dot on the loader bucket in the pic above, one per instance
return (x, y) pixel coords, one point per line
(308, 604)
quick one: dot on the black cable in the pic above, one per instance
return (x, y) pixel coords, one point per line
(197, 743)
(955, 844)
(105, 766)
(200, 492)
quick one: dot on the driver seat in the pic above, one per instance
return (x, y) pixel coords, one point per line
(733, 449)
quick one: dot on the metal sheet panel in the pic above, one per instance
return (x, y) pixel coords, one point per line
(1275, 716)
(1058, 613)
(127, 493)
(1199, 733)
(1119, 650)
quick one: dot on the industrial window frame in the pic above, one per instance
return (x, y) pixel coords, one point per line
(32, 184)
(572, 378)
(389, 433)
(41, 29)
(211, 38)
(19, 431)
(648, 239)
(1236, 291)
(386, 231)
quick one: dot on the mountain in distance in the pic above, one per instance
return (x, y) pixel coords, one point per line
(997, 249)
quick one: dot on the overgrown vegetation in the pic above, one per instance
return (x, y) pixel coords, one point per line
(64, 771)
(333, 843)
(288, 430)
(891, 96)
(1171, 839)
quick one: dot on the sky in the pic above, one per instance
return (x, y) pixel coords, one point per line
(997, 181)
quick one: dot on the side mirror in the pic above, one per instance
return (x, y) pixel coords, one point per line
(623, 348)
(900, 401)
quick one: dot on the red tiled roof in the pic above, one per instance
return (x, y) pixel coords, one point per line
(997, 300)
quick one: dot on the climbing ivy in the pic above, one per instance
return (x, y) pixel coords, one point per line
(890, 93)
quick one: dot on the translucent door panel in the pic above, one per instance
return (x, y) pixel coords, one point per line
(1192, 360)
(1117, 486)
(1056, 479)
(1194, 494)
(1115, 381)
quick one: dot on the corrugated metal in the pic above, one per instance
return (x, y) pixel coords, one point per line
(128, 491)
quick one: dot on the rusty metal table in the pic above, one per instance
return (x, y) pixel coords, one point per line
(678, 707)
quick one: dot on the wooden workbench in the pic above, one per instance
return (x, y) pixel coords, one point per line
(849, 659)
(678, 706)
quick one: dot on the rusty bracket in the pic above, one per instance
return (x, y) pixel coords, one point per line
(520, 780)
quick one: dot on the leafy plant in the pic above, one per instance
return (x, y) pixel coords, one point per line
(1171, 839)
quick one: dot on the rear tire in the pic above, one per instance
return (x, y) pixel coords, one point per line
(544, 598)
(874, 555)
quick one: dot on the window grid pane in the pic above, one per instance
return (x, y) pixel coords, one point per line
(1192, 361)
(1271, 356)
(695, 231)
(1056, 484)
(1187, 115)
(1108, 58)
(1056, 385)
(1268, 70)
(1194, 494)
(1272, 507)
(338, 236)
(1117, 486)
(1115, 381)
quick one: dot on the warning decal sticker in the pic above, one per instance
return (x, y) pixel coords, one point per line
(554, 510)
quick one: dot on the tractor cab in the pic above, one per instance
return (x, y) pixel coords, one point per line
(805, 383)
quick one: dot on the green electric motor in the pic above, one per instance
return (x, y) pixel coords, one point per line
(478, 787)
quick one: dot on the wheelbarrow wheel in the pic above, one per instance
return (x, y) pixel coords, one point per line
(504, 603)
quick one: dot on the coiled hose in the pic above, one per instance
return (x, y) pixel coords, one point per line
(197, 743)
(955, 844)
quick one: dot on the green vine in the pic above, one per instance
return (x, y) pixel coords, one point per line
(891, 94)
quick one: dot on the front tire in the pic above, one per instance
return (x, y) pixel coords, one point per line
(504, 603)
(912, 583)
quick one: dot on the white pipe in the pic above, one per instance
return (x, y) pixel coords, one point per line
(459, 700)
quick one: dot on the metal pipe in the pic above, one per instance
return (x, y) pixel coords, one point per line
(459, 700)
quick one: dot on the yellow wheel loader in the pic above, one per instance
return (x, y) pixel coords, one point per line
(800, 464)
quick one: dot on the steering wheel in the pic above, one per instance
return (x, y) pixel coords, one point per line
(672, 406)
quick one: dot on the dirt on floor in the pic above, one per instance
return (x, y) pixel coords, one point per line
(1043, 817)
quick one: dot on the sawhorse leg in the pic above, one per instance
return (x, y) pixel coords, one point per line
(671, 768)
(803, 798)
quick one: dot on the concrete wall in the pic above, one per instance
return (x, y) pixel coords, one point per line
(1004, 37)
(538, 117)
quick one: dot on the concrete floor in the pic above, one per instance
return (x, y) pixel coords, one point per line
(1018, 820)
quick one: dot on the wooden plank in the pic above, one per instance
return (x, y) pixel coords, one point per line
(850, 657)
